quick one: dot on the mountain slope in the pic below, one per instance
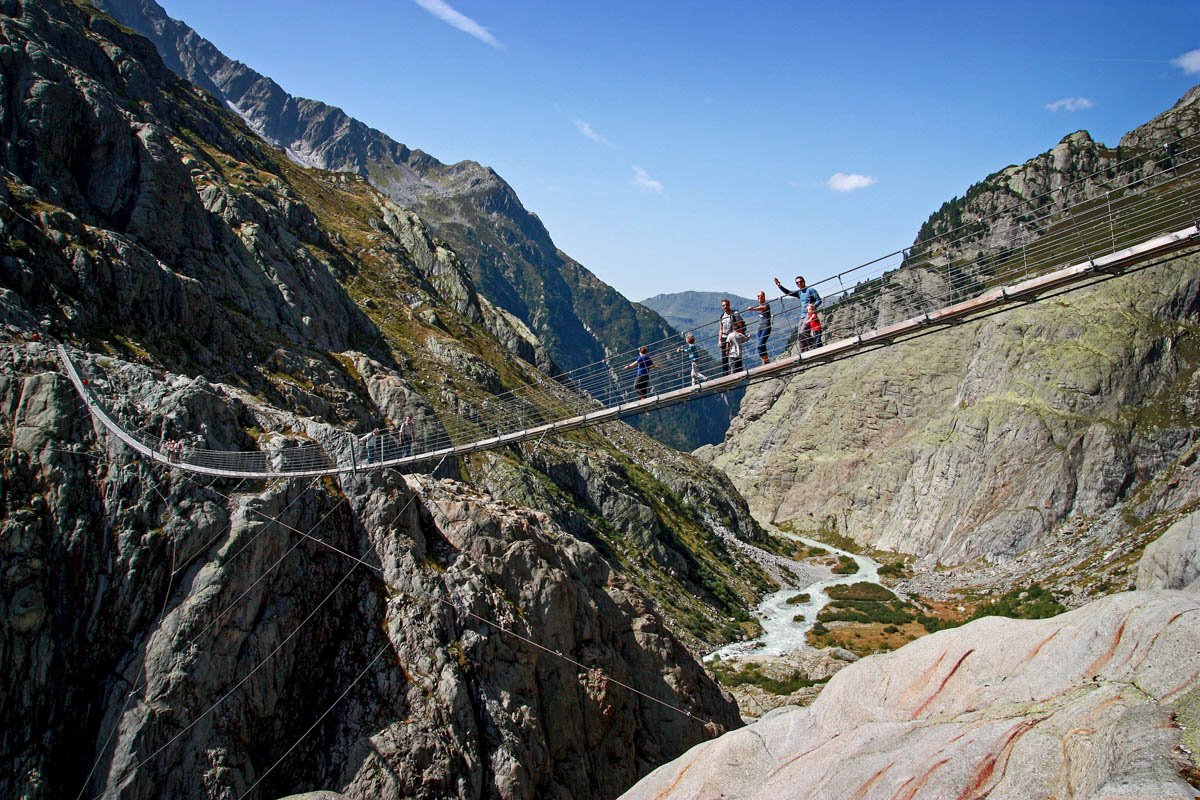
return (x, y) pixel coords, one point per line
(176, 637)
(511, 257)
(1059, 420)
(688, 310)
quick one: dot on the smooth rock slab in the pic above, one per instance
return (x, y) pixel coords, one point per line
(1078, 706)
(1173, 560)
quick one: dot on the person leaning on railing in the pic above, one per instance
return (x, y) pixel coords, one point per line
(726, 326)
(764, 324)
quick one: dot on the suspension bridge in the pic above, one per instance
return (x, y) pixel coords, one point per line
(1138, 212)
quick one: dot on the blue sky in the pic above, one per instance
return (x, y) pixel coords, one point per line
(711, 146)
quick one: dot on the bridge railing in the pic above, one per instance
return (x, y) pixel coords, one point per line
(1152, 192)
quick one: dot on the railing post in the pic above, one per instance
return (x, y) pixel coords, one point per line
(1112, 225)
(1075, 225)
(1025, 237)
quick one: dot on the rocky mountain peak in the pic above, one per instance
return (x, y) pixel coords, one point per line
(509, 253)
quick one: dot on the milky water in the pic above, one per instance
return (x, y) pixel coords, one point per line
(781, 633)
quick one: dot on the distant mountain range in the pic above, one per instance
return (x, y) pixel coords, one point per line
(689, 310)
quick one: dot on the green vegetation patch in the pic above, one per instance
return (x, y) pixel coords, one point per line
(802, 551)
(752, 675)
(893, 612)
(845, 566)
(1033, 602)
(895, 569)
(860, 591)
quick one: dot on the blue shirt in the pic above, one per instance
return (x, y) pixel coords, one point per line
(644, 363)
(806, 295)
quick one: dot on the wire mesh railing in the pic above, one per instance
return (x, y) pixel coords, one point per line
(1150, 194)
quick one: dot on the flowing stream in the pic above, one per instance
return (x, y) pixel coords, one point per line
(782, 634)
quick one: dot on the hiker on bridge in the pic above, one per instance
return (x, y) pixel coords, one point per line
(804, 293)
(810, 329)
(371, 443)
(764, 324)
(729, 323)
(407, 432)
(644, 364)
(734, 341)
(691, 351)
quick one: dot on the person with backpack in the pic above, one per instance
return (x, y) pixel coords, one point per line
(644, 364)
(729, 322)
(736, 338)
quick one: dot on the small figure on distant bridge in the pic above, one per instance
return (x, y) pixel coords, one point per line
(692, 351)
(371, 442)
(804, 293)
(764, 324)
(734, 341)
(644, 364)
(728, 322)
(407, 432)
(810, 329)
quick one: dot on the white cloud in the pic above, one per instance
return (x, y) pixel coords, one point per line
(446, 13)
(841, 182)
(1189, 62)
(1070, 104)
(642, 179)
(587, 131)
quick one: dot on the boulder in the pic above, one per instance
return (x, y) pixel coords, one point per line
(1173, 560)
(1094, 703)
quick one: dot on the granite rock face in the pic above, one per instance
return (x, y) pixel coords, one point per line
(982, 440)
(1173, 560)
(1100, 702)
(184, 635)
(170, 636)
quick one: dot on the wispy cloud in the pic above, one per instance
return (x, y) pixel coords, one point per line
(1189, 62)
(642, 179)
(590, 133)
(842, 182)
(1070, 104)
(451, 16)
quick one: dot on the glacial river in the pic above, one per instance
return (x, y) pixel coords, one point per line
(781, 633)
